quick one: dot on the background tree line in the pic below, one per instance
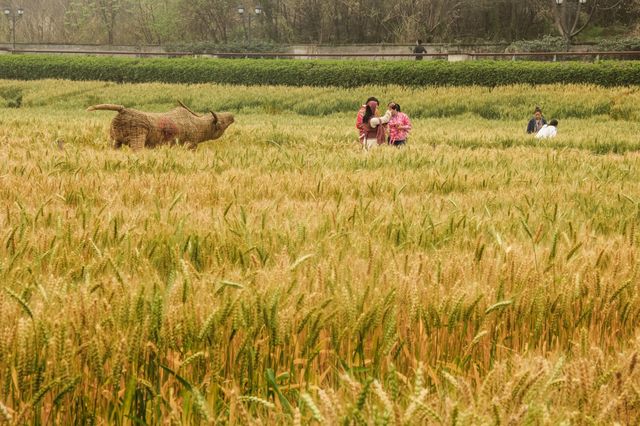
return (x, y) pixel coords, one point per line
(318, 21)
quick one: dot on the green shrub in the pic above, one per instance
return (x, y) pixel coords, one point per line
(317, 73)
(545, 44)
(11, 96)
(212, 47)
(620, 44)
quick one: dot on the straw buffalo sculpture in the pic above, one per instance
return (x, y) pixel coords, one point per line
(182, 126)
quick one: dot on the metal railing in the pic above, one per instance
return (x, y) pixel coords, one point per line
(553, 56)
(99, 52)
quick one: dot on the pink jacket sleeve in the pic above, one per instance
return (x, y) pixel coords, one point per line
(406, 122)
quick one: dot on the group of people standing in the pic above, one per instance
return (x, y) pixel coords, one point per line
(392, 128)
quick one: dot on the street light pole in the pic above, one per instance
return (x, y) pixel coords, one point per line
(571, 29)
(241, 11)
(13, 17)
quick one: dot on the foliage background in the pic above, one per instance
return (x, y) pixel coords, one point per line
(166, 22)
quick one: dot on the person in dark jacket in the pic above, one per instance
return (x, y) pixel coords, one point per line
(419, 50)
(536, 122)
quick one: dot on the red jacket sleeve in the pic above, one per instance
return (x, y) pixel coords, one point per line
(359, 117)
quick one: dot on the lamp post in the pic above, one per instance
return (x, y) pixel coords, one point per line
(257, 11)
(573, 28)
(13, 17)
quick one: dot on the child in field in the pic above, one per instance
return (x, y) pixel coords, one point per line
(370, 126)
(548, 131)
(399, 126)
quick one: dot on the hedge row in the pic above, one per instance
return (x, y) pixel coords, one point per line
(317, 72)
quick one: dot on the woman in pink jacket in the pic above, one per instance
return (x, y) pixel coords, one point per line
(399, 126)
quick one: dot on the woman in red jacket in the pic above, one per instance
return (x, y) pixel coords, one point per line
(370, 126)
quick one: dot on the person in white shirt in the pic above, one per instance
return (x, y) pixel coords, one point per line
(548, 130)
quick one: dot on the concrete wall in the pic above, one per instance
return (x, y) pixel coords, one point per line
(459, 52)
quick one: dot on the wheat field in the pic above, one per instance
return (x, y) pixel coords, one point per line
(279, 275)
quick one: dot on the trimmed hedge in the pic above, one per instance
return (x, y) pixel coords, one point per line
(317, 72)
